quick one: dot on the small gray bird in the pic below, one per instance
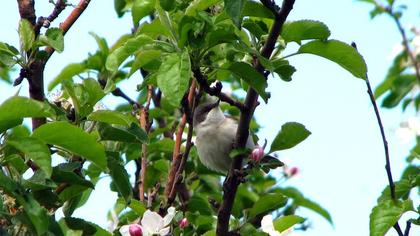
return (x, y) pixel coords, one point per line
(215, 136)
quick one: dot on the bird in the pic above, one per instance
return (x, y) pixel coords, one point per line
(215, 136)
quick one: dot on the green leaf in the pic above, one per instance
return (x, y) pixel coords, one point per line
(14, 109)
(119, 6)
(36, 214)
(145, 57)
(141, 8)
(119, 177)
(283, 69)
(285, 222)
(234, 10)
(402, 190)
(7, 57)
(137, 206)
(65, 173)
(67, 73)
(119, 55)
(300, 200)
(251, 77)
(111, 117)
(199, 5)
(122, 134)
(174, 76)
(39, 181)
(7, 124)
(36, 151)
(138, 132)
(7, 184)
(73, 139)
(291, 134)
(386, 214)
(80, 224)
(198, 203)
(296, 31)
(53, 38)
(26, 35)
(167, 5)
(344, 55)
(256, 9)
(267, 203)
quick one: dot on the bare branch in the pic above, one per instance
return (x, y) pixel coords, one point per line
(385, 144)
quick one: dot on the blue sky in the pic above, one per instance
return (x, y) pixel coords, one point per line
(341, 163)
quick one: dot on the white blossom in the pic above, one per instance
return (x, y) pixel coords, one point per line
(153, 224)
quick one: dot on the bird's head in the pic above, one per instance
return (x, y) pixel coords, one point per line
(208, 113)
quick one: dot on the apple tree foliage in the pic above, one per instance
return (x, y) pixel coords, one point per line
(176, 50)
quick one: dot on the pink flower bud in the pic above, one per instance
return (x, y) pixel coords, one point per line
(292, 171)
(257, 154)
(183, 223)
(135, 230)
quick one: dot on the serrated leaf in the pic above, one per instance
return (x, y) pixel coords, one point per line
(300, 200)
(111, 117)
(36, 151)
(73, 139)
(267, 203)
(296, 31)
(119, 177)
(141, 8)
(67, 73)
(26, 34)
(119, 55)
(285, 222)
(251, 77)
(402, 190)
(14, 109)
(386, 214)
(341, 53)
(174, 76)
(234, 10)
(53, 38)
(291, 134)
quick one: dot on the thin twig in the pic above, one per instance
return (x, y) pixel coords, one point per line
(185, 155)
(59, 6)
(385, 144)
(215, 90)
(176, 157)
(407, 228)
(407, 48)
(145, 125)
(69, 21)
(232, 181)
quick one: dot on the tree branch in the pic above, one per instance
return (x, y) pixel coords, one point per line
(69, 21)
(385, 144)
(216, 90)
(176, 156)
(407, 48)
(145, 124)
(59, 6)
(178, 176)
(232, 181)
